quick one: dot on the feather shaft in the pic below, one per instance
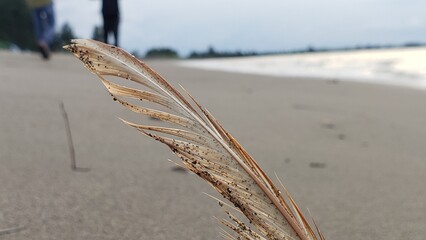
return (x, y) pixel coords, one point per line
(204, 146)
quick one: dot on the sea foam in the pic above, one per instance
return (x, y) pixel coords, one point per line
(397, 66)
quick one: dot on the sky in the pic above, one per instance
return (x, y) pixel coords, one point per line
(252, 25)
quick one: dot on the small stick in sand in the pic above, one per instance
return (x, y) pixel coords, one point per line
(70, 142)
(11, 230)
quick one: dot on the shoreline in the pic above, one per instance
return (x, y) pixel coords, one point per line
(397, 66)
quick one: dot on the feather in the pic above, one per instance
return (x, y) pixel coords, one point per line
(204, 146)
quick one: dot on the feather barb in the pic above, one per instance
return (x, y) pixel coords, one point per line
(204, 146)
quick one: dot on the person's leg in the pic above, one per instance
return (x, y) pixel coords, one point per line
(50, 24)
(38, 23)
(116, 21)
(106, 28)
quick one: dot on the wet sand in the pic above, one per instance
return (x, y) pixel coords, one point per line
(353, 153)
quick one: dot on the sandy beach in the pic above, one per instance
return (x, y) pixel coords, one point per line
(352, 153)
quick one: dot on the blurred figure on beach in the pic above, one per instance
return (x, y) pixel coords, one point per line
(111, 17)
(43, 18)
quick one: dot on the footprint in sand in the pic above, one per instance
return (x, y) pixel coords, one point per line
(179, 169)
(317, 165)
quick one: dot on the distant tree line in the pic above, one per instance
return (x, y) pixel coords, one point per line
(161, 53)
(15, 25)
(212, 53)
(311, 49)
(62, 37)
(16, 28)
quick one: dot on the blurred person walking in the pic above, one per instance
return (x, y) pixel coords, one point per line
(111, 16)
(43, 19)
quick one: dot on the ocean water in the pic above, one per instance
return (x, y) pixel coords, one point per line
(398, 66)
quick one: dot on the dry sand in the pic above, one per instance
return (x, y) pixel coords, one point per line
(353, 153)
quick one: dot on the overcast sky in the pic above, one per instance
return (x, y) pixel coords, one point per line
(247, 25)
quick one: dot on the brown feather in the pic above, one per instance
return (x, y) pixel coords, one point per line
(204, 146)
